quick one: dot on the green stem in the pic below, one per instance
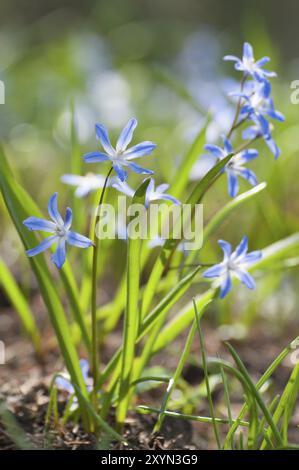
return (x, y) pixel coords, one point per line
(95, 357)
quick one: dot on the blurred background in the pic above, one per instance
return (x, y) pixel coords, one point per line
(160, 61)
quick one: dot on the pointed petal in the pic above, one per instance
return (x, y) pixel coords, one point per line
(263, 61)
(139, 169)
(121, 186)
(73, 180)
(161, 188)
(59, 256)
(68, 218)
(53, 210)
(252, 257)
(242, 247)
(225, 286)
(126, 135)
(248, 155)
(64, 384)
(139, 150)
(233, 185)
(75, 239)
(44, 245)
(247, 51)
(227, 145)
(102, 135)
(245, 278)
(95, 157)
(121, 173)
(214, 271)
(226, 248)
(35, 223)
(84, 365)
(166, 197)
(215, 150)
(248, 175)
(231, 57)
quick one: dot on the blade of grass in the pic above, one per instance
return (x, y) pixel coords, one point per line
(256, 395)
(206, 375)
(132, 314)
(21, 306)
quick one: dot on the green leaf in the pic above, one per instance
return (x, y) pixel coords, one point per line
(20, 304)
(132, 317)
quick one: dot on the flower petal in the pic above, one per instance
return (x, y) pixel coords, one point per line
(252, 257)
(68, 218)
(231, 57)
(226, 248)
(75, 239)
(102, 135)
(166, 197)
(226, 286)
(161, 188)
(248, 175)
(84, 366)
(245, 278)
(53, 210)
(126, 135)
(233, 185)
(139, 169)
(95, 157)
(121, 186)
(214, 271)
(247, 51)
(64, 384)
(121, 173)
(215, 150)
(139, 150)
(35, 223)
(59, 256)
(44, 245)
(242, 247)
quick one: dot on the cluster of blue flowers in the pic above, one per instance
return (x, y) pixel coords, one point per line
(255, 106)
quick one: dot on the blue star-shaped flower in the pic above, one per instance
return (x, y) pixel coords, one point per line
(120, 156)
(60, 228)
(235, 167)
(234, 264)
(152, 193)
(248, 65)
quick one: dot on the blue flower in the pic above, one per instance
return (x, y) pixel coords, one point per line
(234, 264)
(85, 184)
(248, 65)
(60, 228)
(152, 193)
(120, 156)
(235, 167)
(64, 383)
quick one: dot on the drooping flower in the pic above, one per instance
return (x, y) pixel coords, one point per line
(85, 184)
(120, 156)
(234, 264)
(60, 228)
(248, 65)
(235, 167)
(152, 193)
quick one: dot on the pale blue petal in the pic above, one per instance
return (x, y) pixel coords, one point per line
(233, 185)
(121, 173)
(139, 169)
(102, 134)
(247, 51)
(68, 218)
(166, 197)
(245, 278)
(126, 135)
(65, 385)
(214, 271)
(95, 157)
(253, 257)
(248, 155)
(161, 188)
(139, 150)
(84, 365)
(215, 150)
(225, 286)
(231, 57)
(35, 223)
(242, 247)
(226, 247)
(248, 175)
(263, 61)
(53, 210)
(227, 145)
(75, 239)
(44, 245)
(59, 256)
